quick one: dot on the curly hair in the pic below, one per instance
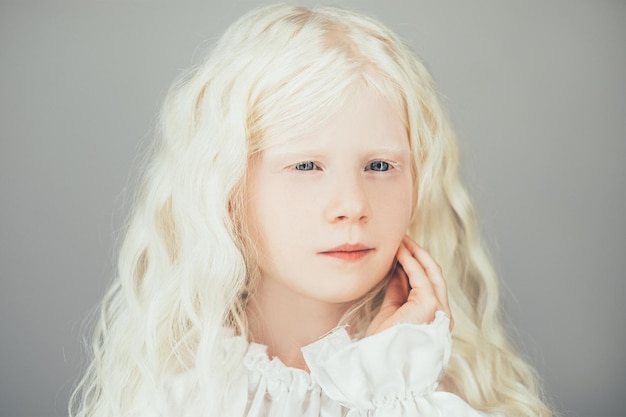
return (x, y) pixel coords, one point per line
(186, 265)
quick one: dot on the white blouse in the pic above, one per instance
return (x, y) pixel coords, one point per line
(392, 374)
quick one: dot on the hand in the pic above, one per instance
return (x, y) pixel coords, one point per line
(415, 291)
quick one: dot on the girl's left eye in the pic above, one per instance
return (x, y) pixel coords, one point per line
(305, 166)
(379, 166)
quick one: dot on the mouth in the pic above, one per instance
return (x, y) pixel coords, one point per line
(348, 252)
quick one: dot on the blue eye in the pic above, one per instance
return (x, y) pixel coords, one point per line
(379, 166)
(305, 166)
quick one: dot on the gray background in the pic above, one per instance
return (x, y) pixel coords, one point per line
(537, 92)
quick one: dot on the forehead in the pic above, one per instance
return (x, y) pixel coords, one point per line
(366, 118)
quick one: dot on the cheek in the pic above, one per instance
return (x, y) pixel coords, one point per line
(294, 202)
(277, 215)
(393, 202)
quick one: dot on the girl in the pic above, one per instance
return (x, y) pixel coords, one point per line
(270, 266)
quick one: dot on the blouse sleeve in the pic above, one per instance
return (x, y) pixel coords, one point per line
(392, 373)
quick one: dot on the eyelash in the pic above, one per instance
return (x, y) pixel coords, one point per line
(311, 166)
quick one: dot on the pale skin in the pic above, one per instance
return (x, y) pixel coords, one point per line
(321, 217)
(415, 291)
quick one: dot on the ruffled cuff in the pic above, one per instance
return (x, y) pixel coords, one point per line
(395, 368)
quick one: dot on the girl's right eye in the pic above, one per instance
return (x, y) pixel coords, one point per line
(305, 166)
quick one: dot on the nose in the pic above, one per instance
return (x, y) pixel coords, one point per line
(349, 201)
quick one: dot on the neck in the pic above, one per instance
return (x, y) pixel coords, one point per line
(285, 322)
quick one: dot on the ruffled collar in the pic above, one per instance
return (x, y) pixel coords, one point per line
(257, 360)
(394, 373)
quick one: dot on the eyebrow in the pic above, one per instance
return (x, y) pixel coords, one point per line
(287, 151)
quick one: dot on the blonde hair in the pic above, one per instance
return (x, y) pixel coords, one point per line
(186, 266)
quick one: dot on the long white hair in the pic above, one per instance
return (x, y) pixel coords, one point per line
(186, 266)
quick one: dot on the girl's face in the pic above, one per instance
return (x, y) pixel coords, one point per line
(328, 210)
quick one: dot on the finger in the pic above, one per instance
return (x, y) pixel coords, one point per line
(398, 287)
(396, 294)
(433, 271)
(422, 302)
(422, 290)
(414, 270)
(431, 268)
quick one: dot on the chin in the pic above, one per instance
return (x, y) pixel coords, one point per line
(351, 295)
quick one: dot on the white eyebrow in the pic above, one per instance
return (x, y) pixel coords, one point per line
(391, 149)
(285, 149)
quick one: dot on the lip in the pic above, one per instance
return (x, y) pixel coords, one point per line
(348, 251)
